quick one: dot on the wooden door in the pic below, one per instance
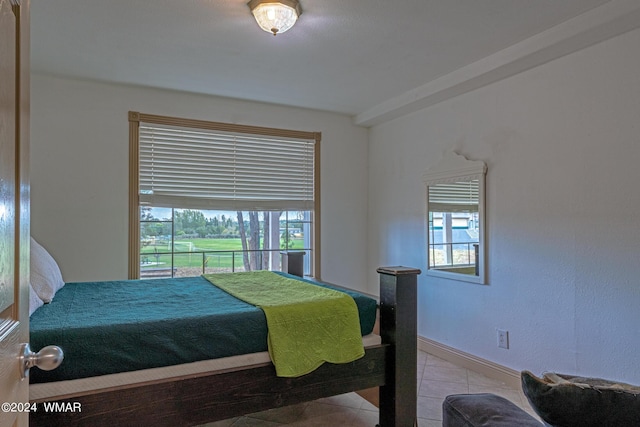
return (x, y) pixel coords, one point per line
(14, 207)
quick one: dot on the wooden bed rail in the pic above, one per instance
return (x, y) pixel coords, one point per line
(213, 396)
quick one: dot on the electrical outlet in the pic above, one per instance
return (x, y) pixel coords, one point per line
(503, 338)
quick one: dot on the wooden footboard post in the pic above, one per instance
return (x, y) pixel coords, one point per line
(398, 327)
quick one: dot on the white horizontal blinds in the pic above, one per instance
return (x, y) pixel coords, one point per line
(206, 169)
(460, 196)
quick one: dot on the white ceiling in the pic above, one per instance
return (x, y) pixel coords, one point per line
(346, 56)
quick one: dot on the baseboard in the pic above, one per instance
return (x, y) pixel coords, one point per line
(469, 361)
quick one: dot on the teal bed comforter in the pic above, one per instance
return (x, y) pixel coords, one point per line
(120, 326)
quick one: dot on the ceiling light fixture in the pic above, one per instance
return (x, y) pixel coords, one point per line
(275, 16)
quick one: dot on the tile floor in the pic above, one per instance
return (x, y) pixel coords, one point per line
(437, 378)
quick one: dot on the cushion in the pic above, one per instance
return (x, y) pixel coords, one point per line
(565, 400)
(34, 300)
(484, 410)
(46, 277)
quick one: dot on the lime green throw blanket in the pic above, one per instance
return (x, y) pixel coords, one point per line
(308, 325)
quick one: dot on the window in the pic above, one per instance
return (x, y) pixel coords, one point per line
(455, 219)
(209, 197)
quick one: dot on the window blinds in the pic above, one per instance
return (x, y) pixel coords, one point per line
(206, 169)
(454, 197)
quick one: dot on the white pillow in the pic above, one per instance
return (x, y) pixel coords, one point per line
(34, 300)
(46, 277)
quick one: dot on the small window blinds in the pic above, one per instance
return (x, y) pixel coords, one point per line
(188, 167)
(454, 197)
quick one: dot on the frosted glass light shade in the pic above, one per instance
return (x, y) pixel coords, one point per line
(275, 16)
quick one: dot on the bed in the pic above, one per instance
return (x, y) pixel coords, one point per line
(193, 383)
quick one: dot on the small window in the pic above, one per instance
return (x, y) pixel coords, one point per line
(207, 197)
(455, 219)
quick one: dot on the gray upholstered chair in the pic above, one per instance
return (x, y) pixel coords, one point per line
(560, 401)
(484, 410)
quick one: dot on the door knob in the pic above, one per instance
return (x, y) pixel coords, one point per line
(48, 358)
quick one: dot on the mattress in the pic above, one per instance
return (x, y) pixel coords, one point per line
(120, 326)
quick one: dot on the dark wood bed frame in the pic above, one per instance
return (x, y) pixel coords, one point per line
(212, 396)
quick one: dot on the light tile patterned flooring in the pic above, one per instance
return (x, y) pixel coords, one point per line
(437, 378)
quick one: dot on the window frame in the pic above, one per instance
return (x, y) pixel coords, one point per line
(135, 118)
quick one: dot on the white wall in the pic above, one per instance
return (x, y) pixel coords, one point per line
(79, 176)
(562, 145)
